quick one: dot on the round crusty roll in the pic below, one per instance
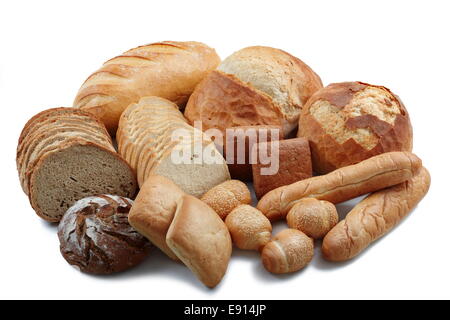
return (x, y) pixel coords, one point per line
(95, 235)
(352, 121)
(289, 251)
(249, 228)
(254, 86)
(313, 217)
(226, 196)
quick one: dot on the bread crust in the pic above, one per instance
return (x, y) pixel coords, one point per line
(222, 101)
(285, 78)
(166, 69)
(200, 239)
(373, 217)
(327, 153)
(154, 209)
(243, 171)
(294, 159)
(226, 196)
(343, 184)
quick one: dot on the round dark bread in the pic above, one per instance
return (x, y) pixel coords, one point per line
(95, 235)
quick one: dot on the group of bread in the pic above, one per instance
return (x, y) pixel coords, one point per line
(112, 205)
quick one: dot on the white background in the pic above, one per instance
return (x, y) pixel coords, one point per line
(48, 48)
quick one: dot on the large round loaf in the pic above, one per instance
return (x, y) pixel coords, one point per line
(348, 122)
(254, 86)
(166, 69)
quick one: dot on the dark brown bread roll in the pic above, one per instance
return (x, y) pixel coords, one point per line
(95, 235)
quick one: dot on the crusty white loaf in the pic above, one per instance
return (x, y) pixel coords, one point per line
(348, 122)
(254, 86)
(166, 69)
(146, 140)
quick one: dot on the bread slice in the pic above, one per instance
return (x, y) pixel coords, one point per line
(153, 152)
(34, 147)
(129, 144)
(199, 237)
(51, 122)
(77, 169)
(145, 140)
(193, 178)
(48, 144)
(40, 137)
(52, 113)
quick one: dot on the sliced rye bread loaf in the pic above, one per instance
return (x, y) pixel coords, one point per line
(38, 137)
(55, 113)
(65, 154)
(52, 142)
(52, 122)
(145, 140)
(74, 171)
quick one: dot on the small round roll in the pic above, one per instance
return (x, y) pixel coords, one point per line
(249, 228)
(313, 217)
(226, 196)
(289, 251)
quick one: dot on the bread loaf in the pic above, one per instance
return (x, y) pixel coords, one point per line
(242, 139)
(183, 227)
(153, 210)
(348, 122)
(95, 236)
(200, 239)
(153, 131)
(166, 69)
(290, 161)
(343, 184)
(254, 86)
(65, 154)
(373, 217)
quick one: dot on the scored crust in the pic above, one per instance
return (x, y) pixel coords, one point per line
(285, 78)
(353, 121)
(167, 69)
(222, 101)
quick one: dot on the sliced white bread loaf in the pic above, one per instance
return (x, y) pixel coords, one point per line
(145, 140)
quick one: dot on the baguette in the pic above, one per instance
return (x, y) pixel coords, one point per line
(373, 217)
(343, 184)
(168, 69)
